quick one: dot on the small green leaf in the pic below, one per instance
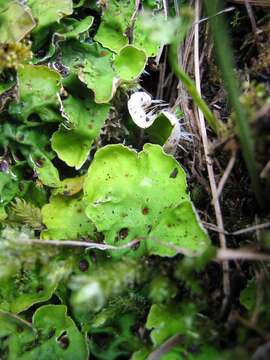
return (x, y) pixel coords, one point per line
(9, 187)
(160, 130)
(248, 295)
(70, 186)
(66, 343)
(114, 22)
(52, 335)
(120, 25)
(46, 171)
(48, 13)
(14, 331)
(65, 218)
(38, 94)
(33, 143)
(72, 28)
(130, 62)
(29, 283)
(85, 121)
(5, 86)
(99, 75)
(93, 65)
(165, 321)
(142, 35)
(16, 22)
(122, 191)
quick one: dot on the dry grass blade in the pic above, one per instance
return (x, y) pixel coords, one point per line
(210, 170)
(165, 347)
(222, 255)
(226, 65)
(225, 175)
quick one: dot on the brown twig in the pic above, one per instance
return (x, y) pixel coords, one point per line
(225, 175)
(84, 244)
(213, 227)
(133, 18)
(251, 228)
(218, 13)
(222, 255)
(247, 324)
(165, 347)
(251, 17)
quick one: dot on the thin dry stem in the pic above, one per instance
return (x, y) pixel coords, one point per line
(209, 164)
(225, 175)
(84, 244)
(218, 13)
(165, 347)
(251, 228)
(222, 255)
(251, 17)
(213, 227)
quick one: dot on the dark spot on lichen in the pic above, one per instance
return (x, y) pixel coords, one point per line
(66, 193)
(145, 210)
(19, 329)
(123, 233)
(39, 162)
(83, 265)
(174, 173)
(103, 53)
(63, 341)
(135, 246)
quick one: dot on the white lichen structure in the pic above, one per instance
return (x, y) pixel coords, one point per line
(144, 111)
(138, 107)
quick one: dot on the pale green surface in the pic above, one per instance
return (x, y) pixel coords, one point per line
(85, 121)
(37, 285)
(41, 339)
(144, 195)
(16, 22)
(65, 218)
(130, 62)
(38, 92)
(47, 12)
